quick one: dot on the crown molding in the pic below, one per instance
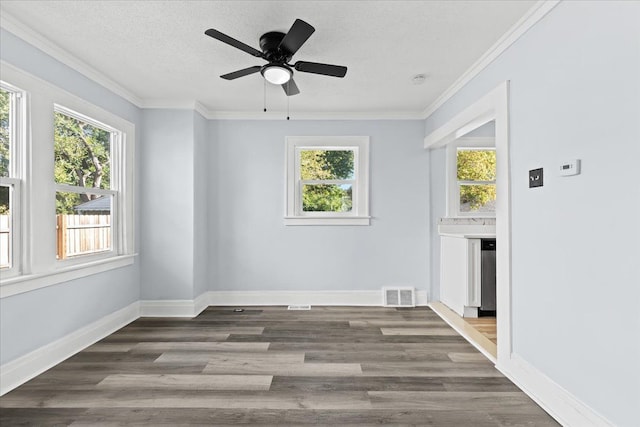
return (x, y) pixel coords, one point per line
(21, 30)
(314, 115)
(172, 104)
(533, 15)
(201, 109)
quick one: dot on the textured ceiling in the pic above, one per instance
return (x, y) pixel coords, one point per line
(157, 50)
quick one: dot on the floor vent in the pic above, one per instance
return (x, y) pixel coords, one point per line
(299, 307)
(399, 297)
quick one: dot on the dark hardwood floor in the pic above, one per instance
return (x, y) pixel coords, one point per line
(270, 366)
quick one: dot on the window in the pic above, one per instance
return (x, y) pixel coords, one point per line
(85, 187)
(11, 145)
(473, 178)
(66, 186)
(476, 171)
(327, 181)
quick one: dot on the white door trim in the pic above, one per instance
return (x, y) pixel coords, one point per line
(494, 106)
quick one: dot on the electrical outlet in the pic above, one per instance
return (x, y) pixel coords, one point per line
(535, 178)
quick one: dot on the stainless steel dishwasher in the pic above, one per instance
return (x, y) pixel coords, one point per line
(488, 277)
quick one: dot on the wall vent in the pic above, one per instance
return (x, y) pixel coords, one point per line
(399, 297)
(299, 307)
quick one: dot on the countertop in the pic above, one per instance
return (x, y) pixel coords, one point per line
(468, 228)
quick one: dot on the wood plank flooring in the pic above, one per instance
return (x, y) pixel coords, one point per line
(486, 326)
(269, 366)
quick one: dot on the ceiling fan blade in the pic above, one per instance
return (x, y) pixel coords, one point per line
(290, 88)
(233, 42)
(241, 73)
(299, 32)
(324, 69)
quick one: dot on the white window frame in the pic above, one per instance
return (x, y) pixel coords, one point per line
(453, 184)
(115, 158)
(17, 130)
(38, 231)
(359, 214)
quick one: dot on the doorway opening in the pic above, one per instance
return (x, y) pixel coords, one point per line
(491, 107)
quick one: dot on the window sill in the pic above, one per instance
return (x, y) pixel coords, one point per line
(29, 282)
(311, 220)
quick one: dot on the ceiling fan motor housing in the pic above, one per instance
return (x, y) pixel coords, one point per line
(269, 43)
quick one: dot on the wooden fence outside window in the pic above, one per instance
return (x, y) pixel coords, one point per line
(77, 235)
(83, 234)
(5, 241)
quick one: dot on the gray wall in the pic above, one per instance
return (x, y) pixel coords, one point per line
(167, 205)
(176, 173)
(487, 130)
(33, 319)
(214, 206)
(575, 93)
(257, 252)
(202, 179)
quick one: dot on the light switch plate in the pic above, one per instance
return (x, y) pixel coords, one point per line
(535, 178)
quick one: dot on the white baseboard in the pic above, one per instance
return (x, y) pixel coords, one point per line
(24, 368)
(174, 308)
(200, 303)
(331, 298)
(558, 402)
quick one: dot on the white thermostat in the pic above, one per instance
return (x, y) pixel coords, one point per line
(570, 167)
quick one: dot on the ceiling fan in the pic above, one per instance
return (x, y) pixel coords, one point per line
(278, 49)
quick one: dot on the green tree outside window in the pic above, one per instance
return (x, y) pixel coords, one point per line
(323, 165)
(5, 105)
(476, 176)
(82, 154)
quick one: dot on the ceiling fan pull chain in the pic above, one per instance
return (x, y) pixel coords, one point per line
(265, 95)
(288, 97)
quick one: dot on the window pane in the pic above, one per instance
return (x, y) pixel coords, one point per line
(326, 164)
(83, 224)
(5, 227)
(478, 198)
(82, 153)
(476, 165)
(327, 198)
(5, 132)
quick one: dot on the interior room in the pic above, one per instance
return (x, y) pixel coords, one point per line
(415, 228)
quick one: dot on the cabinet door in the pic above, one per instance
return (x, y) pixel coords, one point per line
(453, 272)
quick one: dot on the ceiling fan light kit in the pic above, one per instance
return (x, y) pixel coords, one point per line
(278, 49)
(276, 74)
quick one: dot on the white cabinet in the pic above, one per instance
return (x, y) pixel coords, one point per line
(460, 280)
